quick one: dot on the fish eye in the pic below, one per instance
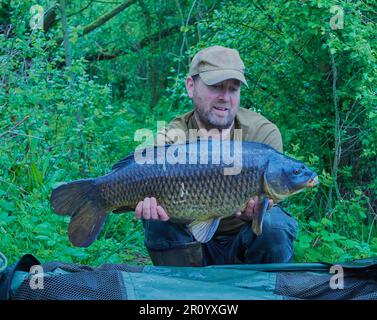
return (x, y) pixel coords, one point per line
(296, 171)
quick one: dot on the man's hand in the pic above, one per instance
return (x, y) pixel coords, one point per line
(149, 209)
(252, 209)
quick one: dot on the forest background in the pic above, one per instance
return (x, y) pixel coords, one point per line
(78, 78)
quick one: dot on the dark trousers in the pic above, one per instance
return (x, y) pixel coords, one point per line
(172, 243)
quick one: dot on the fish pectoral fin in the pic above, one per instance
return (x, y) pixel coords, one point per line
(203, 231)
(258, 219)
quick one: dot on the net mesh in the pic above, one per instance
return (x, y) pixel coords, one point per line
(81, 283)
(308, 285)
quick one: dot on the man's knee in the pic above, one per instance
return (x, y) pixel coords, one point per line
(187, 255)
(275, 244)
(279, 223)
(171, 244)
(162, 235)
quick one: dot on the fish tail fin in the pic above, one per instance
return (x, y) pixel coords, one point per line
(78, 199)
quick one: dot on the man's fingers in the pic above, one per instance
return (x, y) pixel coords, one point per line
(270, 204)
(153, 207)
(162, 215)
(251, 207)
(139, 210)
(147, 208)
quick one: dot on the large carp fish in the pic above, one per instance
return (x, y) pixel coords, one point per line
(197, 182)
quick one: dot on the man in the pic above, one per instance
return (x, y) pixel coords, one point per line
(214, 86)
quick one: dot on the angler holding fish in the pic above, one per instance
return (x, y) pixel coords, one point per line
(194, 214)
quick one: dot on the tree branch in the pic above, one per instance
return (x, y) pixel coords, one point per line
(103, 19)
(15, 126)
(49, 17)
(107, 16)
(67, 49)
(146, 41)
(81, 10)
(337, 134)
(140, 45)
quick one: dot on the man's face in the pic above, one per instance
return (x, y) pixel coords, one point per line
(216, 105)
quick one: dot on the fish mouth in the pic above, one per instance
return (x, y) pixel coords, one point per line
(314, 181)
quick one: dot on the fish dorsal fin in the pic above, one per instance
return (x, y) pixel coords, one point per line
(130, 158)
(124, 162)
(203, 231)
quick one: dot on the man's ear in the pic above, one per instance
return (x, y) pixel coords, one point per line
(190, 86)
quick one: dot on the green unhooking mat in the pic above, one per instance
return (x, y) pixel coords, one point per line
(29, 280)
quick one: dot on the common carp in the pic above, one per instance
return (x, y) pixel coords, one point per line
(193, 186)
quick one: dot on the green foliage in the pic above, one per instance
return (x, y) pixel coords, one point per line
(72, 123)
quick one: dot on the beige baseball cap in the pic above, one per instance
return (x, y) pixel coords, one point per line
(216, 64)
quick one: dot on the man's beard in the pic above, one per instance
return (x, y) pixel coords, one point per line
(211, 121)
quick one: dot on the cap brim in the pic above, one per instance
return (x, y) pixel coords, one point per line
(215, 76)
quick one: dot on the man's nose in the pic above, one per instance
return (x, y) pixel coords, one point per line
(224, 95)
